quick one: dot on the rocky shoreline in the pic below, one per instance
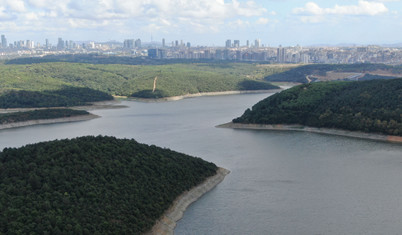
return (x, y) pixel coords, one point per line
(166, 224)
(354, 134)
(48, 121)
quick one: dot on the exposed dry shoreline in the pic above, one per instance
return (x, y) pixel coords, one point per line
(175, 98)
(166, 224)
(110, 104)
(354, 134)
(48, 121)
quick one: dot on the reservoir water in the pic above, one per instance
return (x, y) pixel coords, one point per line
(280, 182)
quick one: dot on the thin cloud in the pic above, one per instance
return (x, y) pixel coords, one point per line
(362, 8)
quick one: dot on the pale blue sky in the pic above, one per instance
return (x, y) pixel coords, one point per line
(205, 22)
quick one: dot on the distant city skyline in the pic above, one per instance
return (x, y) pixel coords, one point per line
(205, 22)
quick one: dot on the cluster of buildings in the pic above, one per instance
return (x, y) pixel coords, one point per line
(231, 50)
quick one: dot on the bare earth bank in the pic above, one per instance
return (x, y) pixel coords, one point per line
(166, 224)
(174, 98)
(280, 127)
(48, 121)
(110, 104)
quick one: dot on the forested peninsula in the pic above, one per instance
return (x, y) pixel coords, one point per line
(373, 106)
(7, 118)
(92, 185)
(64, 97)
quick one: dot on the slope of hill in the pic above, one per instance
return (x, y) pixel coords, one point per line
(313, 72)
(6, 118)
(126, 80)
(92, 185)
(369, 106)
(67, 96)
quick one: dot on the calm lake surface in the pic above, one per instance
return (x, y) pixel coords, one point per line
(280, 182)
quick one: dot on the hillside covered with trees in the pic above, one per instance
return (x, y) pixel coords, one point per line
(6, 118)
(126, 80)
(67, 96)
(92, 185)
(368, 106)
(300, 74)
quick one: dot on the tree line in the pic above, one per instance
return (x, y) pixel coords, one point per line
(92, 185)
(68, 96)
(368, 106)
(6, 118)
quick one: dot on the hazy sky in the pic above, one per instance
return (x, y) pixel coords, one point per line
(205, 22)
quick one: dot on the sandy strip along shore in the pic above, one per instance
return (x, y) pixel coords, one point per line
(110, 104)
(174, 98)
(354, 134)
(166, 224)
(48, 121)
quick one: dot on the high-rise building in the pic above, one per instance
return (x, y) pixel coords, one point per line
(177, 43)
(137, 43)
(163, 42)
(128, 44)
(60, 44)
(281, 55)
(156, 53)
(257, 43)
(30, 44)
(228, 43)
(47, 44)
(3, 41)
(188, 44)
(236, 43)
(248, 43)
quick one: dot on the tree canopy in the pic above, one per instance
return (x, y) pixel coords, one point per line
(67, 96)
(92, 185)
(369, 106)
(6, 118)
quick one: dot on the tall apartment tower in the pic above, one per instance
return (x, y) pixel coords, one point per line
(248, 43)
(163, 42)
(281, 55)
(128, 44)
(60, 44)
(228, 43)
(257, 43)
(137, 43)
(3, 41)
(236, 43)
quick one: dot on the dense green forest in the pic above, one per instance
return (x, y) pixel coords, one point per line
(68, 96)
(92, 185)
(369, 106)
(299, 74)
(125, 80)
(39, 114)
(96, 58)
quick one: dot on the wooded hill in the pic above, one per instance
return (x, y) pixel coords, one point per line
(126, 80)
(92, 185)
(368, 106)
(299, 74)
(67, 96)
(6, 118)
